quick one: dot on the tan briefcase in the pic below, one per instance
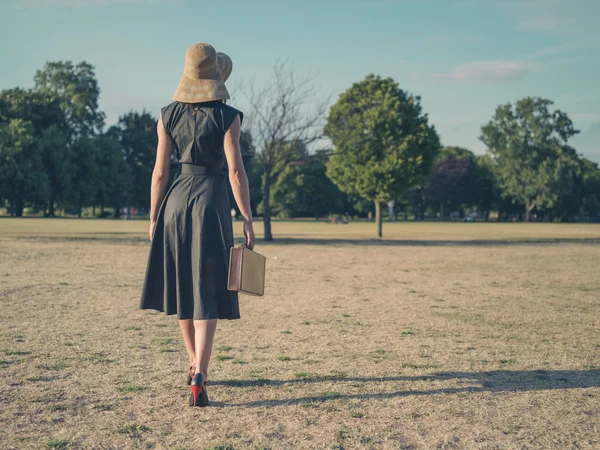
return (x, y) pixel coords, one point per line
(246, 271)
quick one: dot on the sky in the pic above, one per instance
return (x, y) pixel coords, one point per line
(462, 57)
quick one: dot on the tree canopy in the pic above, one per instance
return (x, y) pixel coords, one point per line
(535, 165)
(383, 143)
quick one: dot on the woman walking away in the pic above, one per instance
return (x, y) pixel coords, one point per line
(190, 225)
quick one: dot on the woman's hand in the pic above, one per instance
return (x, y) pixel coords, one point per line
(152, 227)
(249, 233)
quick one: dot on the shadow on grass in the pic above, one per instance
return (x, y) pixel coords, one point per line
(119, 237)
(493, 381)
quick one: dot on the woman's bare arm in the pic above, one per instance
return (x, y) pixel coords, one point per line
(160, 174)
(238, 177)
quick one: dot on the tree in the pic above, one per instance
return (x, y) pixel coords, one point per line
(383, 144)
(41, 109)
(22, 177)
(25, 118)
(487, 192)
(283, 125)
(253, 170)
(136, 134)
(590, 192)
(452, 181)
(529, 145)
(77, 91)
(84, 176)
(58, 162)
(115, 181)
(303, 189)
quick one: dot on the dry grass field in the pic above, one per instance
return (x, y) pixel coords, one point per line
(439, 336)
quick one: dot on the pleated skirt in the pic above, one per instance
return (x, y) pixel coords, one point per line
(188, 262)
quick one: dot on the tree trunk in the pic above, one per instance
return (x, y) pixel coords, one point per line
(528, 209)
(267, 207)
(487, 215)
(18, 206)
(422, 204)
(79, 212)
(51, 206)
(391, 214)
(94, 210)
(378, 218)
(442, 210)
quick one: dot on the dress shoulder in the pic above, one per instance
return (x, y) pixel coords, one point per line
(168, 114)
(229, 114)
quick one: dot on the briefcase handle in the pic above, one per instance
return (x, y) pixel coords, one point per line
(245, 242)
(246, 246)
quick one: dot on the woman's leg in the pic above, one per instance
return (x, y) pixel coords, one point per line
(204, 332)
(187, 330)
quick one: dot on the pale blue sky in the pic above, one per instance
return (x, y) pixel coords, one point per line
(463, 57)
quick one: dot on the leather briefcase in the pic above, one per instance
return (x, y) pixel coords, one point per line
(246, 271)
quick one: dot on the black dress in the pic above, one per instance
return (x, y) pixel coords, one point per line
(188, 261)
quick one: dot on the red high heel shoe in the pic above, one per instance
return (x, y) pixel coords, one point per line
(198, 396)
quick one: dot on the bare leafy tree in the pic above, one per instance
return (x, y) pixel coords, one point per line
(286, 115)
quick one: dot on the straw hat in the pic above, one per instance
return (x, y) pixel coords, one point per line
(201, 80)
(225, 65)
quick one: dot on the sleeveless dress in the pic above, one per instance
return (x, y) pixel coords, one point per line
(188, 262)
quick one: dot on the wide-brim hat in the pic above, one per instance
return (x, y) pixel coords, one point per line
(201, 80)
(225, 65)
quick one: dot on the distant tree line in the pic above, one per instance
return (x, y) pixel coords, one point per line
(55, 154)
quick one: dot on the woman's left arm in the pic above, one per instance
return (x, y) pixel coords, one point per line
(160, 174)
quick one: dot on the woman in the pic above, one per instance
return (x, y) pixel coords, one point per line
(190, 226)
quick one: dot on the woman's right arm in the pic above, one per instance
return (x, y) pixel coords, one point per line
(238, 178)
(160, 174)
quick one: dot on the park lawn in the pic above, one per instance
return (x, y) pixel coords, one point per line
(305, 229)
(454, 336)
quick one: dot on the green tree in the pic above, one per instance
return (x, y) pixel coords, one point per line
(76, 89)
(63, 106)
(487, 191)
(136, 134)
(115, 180)
(253, 171)
(452, 182)
(529, 144)
(22, 177)
(568, 187)
(41, 109)
(590, 192)
(58, 162)
(383, 142)
(85, 173)
(35, 113)
(304, 189)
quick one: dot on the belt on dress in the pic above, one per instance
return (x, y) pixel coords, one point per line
(195, 169)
